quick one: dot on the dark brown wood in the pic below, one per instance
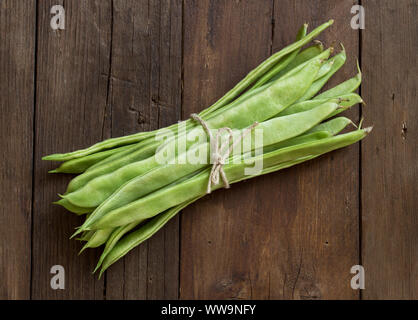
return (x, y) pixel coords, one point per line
(145, 94)
(292, 234)
(314, 208)
(117, 69)
(71, 90)
(390, 153)
(17, 57)
(223, 42)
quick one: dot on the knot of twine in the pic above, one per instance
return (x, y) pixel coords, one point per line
(221, 152)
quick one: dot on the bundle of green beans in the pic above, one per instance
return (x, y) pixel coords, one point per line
(128, 195)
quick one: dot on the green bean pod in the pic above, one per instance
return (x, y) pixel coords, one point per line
(320, 131)
(283, 63)
(274, 131)
(73, 208)
(80, 165)
(82, 179)
(332, 126)
(86, 235)
(337, 62)
(345, 100)
(118, 155)
(167, 197)
(252, 77)
(155, 224)
(150, 228)
(117, 249)
(304, 56)
(347, 86)
(256, 108)
(98, 238)
(116, 235)
(164, 217)
(277, 96)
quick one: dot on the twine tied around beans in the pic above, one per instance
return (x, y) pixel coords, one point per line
(220, 152)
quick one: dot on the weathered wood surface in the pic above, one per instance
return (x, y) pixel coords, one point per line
(280, 236)
(122, 66)
(17, 36)
(390, 155)
(145, 94)
(70, 110)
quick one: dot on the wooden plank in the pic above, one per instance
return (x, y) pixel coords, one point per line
(390, 153)
(17, 57)
(223, 42)
(71, 95)
(293, 234)
(146, 94)
(314, 214)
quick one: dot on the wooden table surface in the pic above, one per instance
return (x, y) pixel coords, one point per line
(123, 66)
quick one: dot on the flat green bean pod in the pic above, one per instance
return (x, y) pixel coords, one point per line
(147, 230)
(82, 179)
(276, 96)
(135, 147)
(256, 108)
(256, 90)
(73, 208)
(347, 86)
(345, 100)
(155, 224)
(117, 249)
(304, 56)
(86, 235)
(283, 63)
(80, 165)
(165, 198)
(253, 76)
(98, 238)
(131, 186)
(116, 235)
(336, 63)
(332, 126)
(274, 131)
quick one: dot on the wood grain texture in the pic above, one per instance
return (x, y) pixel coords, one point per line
(17, 57)
(390, 153)
(225, 40)
(70, 105)
(145, 94)
(289, 235)
(314, 208)
(118, 68)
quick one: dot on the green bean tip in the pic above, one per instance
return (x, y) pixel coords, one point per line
(77, 232)
(101, 272)
(358, 68)
(83, 248)
(51, 157)
(97, 267)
